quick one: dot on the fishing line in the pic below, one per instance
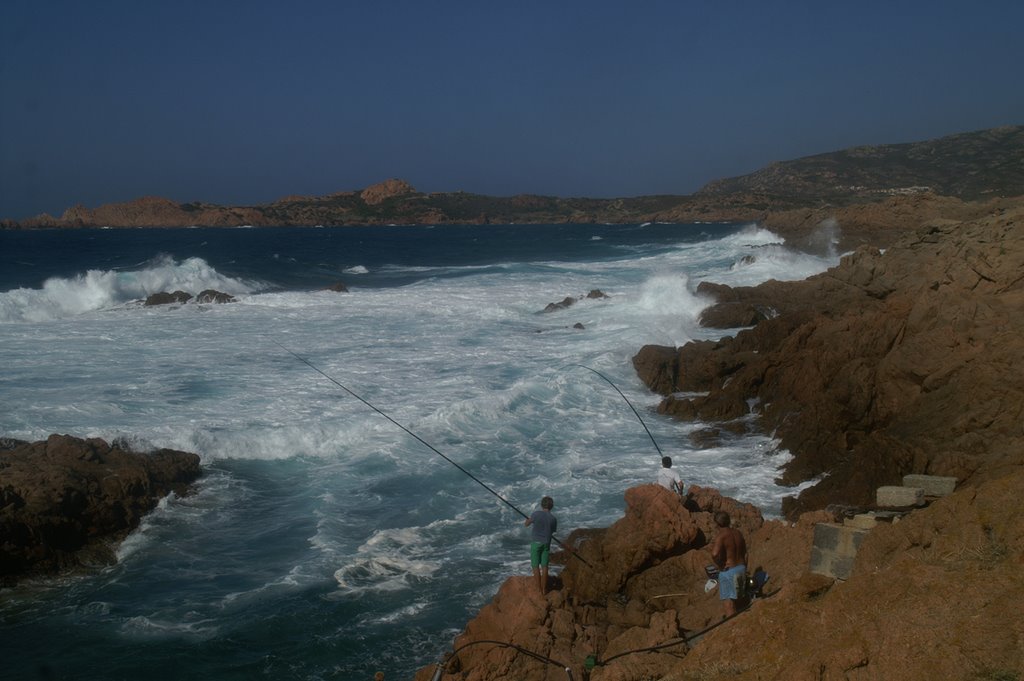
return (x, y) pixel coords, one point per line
(627, 402)
(419, 439)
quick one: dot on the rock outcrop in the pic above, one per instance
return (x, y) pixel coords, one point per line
(907, 361)
(64, 501)
(935, 594)
(634, 585)
(894, 362)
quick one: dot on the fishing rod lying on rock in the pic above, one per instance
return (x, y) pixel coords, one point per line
(422, 441)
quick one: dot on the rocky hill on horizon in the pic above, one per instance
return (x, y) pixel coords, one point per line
(968, 166)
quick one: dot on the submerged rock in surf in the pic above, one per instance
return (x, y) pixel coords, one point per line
(568, 301)
(165, 298)
(212, 296)
(181, 297)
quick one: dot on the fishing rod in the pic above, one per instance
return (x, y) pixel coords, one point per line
(419, 439)
(627, 402)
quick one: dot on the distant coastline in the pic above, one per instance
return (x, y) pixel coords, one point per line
(973, 166)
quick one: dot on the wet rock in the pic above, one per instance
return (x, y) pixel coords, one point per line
(165, 298)
(64, 501)
(907, 361)
(569, 301)
(212, 296)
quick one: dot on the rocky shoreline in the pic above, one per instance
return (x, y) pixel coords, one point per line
(907, 360)
(902, 360)
(65, 502)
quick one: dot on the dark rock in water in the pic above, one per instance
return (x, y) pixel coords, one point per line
(64, 501)
(337, 287)
(578, 325)
(212, 296)
(568, 301)
(164, 298)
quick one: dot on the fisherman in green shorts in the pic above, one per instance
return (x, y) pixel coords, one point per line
(544, 526)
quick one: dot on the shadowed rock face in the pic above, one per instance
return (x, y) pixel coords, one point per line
(908, 361)
(64, 501)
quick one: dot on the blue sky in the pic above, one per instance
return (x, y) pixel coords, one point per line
(246, 102)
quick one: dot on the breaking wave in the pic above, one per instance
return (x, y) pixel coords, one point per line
(104, 289)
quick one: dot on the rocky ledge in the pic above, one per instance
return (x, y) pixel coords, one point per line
(904, 361)
(935, 595)
(895, 362)
(65, 501)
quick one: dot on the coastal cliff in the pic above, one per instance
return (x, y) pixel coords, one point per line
(906, 360)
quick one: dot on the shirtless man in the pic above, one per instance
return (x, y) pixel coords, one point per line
(729, 552)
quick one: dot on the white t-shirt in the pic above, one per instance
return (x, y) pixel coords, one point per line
(666, 476)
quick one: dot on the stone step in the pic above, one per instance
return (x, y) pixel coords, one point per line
(899, 497)
(933, 485)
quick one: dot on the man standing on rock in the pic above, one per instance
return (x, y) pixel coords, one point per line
(544, 526)
(729, 552)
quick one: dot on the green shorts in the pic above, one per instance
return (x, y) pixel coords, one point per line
(539, 554)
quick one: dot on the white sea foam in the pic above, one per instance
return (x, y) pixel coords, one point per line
(102, 289)
(308, 492)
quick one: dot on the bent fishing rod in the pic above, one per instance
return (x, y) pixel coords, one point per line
(420, 440)
(649, 434)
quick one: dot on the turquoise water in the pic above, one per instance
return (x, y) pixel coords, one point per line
(324, 542)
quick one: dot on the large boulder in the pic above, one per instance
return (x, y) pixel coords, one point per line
(64, 501)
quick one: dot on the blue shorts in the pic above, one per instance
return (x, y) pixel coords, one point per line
(732, 583)
(539, 554)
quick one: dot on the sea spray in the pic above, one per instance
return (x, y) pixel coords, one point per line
(322, 541)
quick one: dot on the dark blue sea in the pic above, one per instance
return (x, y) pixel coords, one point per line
(323, 541)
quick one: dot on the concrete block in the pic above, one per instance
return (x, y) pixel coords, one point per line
(834, 549)
(899, 496)
(933, 485)
(861, 521)
(831, 565)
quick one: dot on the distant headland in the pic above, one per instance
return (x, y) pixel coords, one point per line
(970, 166)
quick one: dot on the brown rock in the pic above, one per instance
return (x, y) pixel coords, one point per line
(900, 362)
(64, 500)
(655, 527)
(388, 189)
(614, 609)
(936, 595)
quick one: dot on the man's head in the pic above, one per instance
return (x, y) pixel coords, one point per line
(547, 503)
(722, 519)
(666, 462)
